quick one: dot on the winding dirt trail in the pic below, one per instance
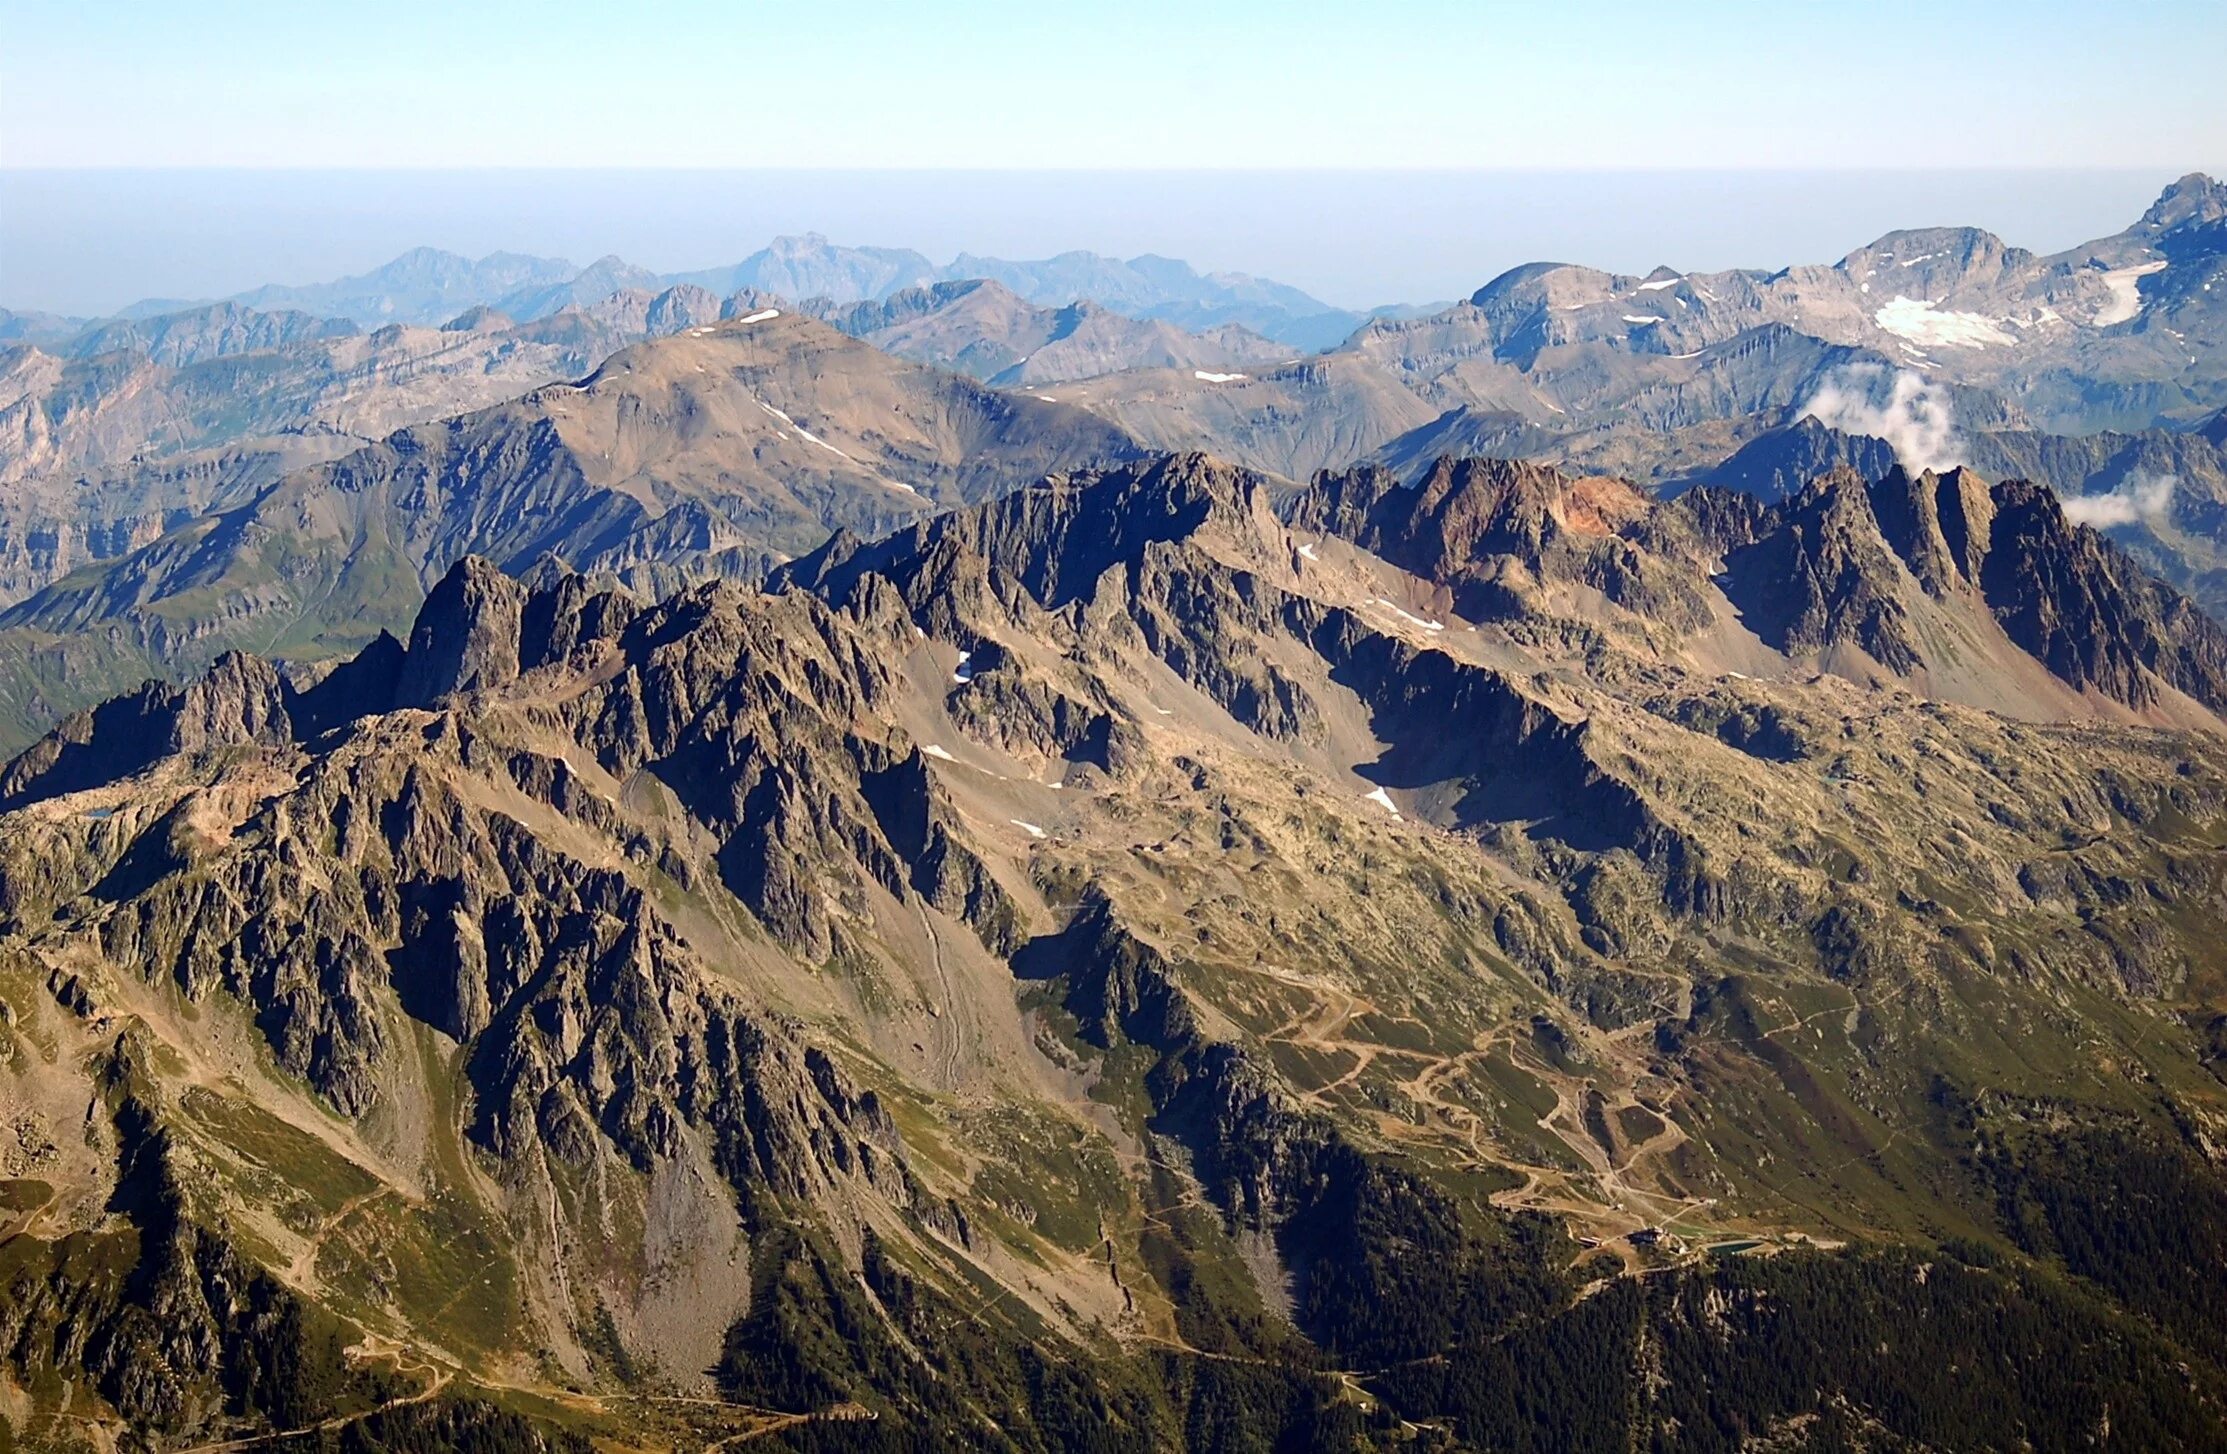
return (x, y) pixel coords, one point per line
(948, 1016)
(303, 1269)
(438, 1381)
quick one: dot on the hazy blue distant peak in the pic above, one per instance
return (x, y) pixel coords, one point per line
(807, 265)
(594, 283)
(423, 285)
(29, 325)
(1147, 280)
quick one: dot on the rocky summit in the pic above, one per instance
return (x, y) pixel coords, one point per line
(1155, 958)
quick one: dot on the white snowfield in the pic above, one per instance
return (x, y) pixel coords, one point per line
(1032, 830)
(761, 316)
(1409, 617)
(1640, 320)
(1215, 378)
(1660, 284)
(810, 438)
(2126, 293)
(1919, 321)
(935, 751)
(1383, 800)
(1308, 551)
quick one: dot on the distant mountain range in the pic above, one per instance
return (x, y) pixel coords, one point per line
(428, 286)
(984, 329)
(2096, 372)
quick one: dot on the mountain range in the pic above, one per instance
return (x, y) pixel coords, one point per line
(1146, 958)
(841, 854)
(151, 495)
(428, 286)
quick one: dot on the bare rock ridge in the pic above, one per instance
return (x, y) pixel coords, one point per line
(1844, 561)
(1059, 535)
(719, 451)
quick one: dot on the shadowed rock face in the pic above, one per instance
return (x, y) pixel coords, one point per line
(2073, 600)
(241, 702)
(467, 636)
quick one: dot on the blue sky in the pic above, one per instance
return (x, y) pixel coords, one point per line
(1142, 84)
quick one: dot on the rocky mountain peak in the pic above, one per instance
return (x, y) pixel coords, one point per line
(239, 701)
(1953, 255)
(2195, 200)
(2081, 605)
(1823, 576)
(1058, 536)
(466, 636)
(1466, 509)
(480, 318)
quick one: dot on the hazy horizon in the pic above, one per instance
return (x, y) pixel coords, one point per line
(92, 241)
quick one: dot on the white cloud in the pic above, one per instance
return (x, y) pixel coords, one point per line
(1910, 414)
(2140, 497)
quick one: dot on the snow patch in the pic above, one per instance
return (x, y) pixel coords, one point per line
(1919, 321)
(1308, 552)
(2126, 293)
(1659, 286)
(1640, 320)
(1030, 828)
(761, 316)
(808, 436)
(1383, 800)
(1215, 378)
(934, 751)
(963, 673)
(1404, 616)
